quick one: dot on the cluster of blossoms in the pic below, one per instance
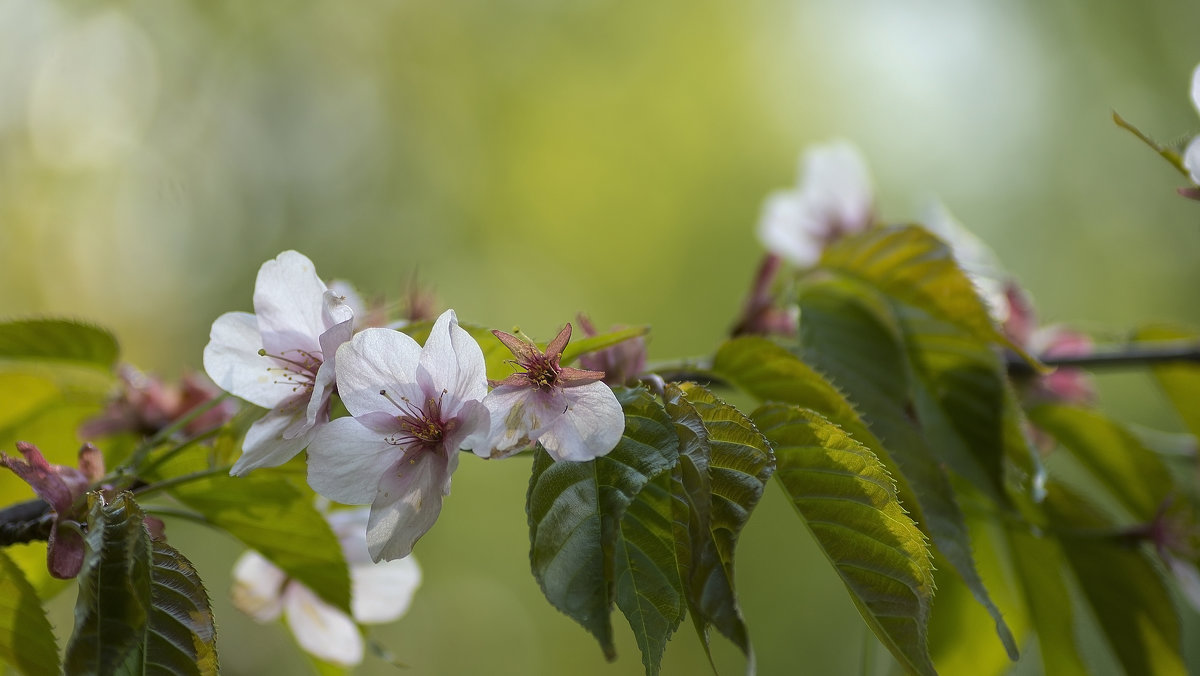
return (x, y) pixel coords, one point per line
(412, 407)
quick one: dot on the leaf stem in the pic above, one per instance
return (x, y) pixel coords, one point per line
(150, 489)
(139, 454)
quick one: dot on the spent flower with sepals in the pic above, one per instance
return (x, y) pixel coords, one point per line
(379, 593)
(413, 408)
(570, 411)
(281, 358)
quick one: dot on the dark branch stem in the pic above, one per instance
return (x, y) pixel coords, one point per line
(1132, 355)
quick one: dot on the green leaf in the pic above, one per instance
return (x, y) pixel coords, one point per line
(26, 637)
(911, 265)
(588, 344)
(723, 477)
(58, 340)
(848, 501)
(1038, 562)
(1134, 473)
(269, 514)
(1121, 585)
(575, 510)
(114, 603)
(1179, 381)
(181, 635)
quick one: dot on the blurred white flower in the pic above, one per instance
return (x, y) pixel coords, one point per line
(833, 198)
(379, 593)
(281, 358)
(973, 256)
(1191, 156)
(414, 408)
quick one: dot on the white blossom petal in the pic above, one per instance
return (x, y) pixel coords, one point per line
(350, 527)
(346, 459)
(382, 592)
(341, 320)
(258, 587)
(408, 503)
(1191, 160)
(515, 412)
(289, 304)
(472, 426)
(453, 359)
(1196, 88)
(232, 360)
(837, 185)
(590, 427)
(377, 359)
(265, 444)
(321, 629)
(787, 230)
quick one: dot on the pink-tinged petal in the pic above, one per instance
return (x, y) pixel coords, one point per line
(472, 426)
(453, 359)
(514, 414)
(341, 320)
(350, 527)
(837, 186)
(321, 629)
(258, 587)
(232, 360)
(289, 302)
(788, 231)
(382, 592)
(1188, 578)
(1191, 160)
(374, 360)
(40, 476)
(591, 426)
(265, 445)
(408, 503)
(346, 460)
(556, 346)
(1196, 88)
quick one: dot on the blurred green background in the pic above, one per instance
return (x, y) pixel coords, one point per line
(532, 159)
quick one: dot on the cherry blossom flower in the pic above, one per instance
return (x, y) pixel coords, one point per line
(1191, 155)
(974, 256)
(569, 411)
(413, 408)
(834, 198)
(147, 405)
(379, 593)
(281, 358)
(61, 487)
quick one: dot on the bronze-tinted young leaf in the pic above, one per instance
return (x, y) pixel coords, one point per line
(58, 340)
(911, 265)
(1180, 381)
(1038, 563)
(271, 515)
(26, 637)
(114, 602)
(575, 510)
(1121, 585)
(181, 636)
(848, 501)
(1135, 474)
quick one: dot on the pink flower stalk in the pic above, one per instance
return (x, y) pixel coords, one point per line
(60, 487)
(1065, 384)
(760, 313)
(413, 408)
(569, 411)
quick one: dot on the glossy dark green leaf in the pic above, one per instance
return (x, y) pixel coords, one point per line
(114, 603)
(1133, 473)
(181, 636)
(269, 514)
(26, 637)
(1180, 381)
(1038, 563)
(856, 341)
(848, 501)
(911, 265)
(575, 510)
(1122, 586)
(58, 340)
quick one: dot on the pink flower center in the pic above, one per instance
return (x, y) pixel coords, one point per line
(294, 368)
(422, 428)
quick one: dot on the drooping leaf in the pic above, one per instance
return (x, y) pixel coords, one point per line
(1121, 585)
(1179, 381)
(853, 338)
(722, 485)
(269, 514)
(58, 340)
(181, 637)
(26, 637)
(114, 603)
(1133, 473)
(1038, 563)
(575, 509)
(648, 589)
(913, 266)
(848, 501)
